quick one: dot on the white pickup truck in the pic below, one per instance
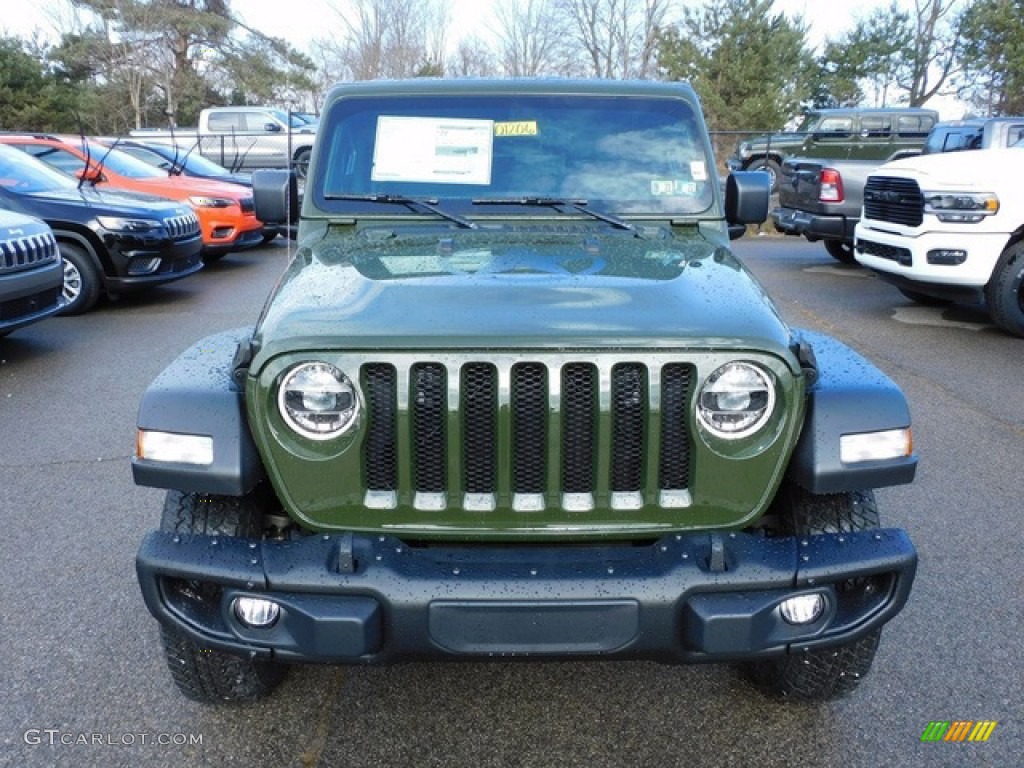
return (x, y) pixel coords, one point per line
(243, 138)
(949, 227)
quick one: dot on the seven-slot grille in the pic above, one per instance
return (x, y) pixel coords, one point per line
(529, 432)
(892, 199)
(182, 227)
(28, 251)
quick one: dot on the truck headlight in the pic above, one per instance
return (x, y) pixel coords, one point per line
(960, 207)
(318, 401)
(736, 401)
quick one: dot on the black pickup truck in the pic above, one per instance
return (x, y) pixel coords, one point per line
(821, 194)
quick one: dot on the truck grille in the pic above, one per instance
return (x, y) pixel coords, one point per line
(528, 432)
(892, 199)
(29, 251)
(183, 227)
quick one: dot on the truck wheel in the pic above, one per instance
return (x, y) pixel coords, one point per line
(301, 162)
(81, 280)
(828, 673)
(841, 251)
(770, 167)
(1004, 293)
(203, 674)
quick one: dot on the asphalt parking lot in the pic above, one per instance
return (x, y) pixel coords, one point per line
(82, 678)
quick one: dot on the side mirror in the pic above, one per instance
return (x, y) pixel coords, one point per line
(275, 195)
(90, 175)
(747, 195)
(271, 127)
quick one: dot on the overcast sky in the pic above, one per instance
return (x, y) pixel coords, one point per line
(299, 21)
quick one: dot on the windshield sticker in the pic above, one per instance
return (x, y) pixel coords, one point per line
(433, 149)
(673, 188)
(521, 128)
(698, 171)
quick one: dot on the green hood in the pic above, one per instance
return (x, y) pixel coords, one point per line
(515, 288)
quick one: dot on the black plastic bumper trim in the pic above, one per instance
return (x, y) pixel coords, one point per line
(660, 601)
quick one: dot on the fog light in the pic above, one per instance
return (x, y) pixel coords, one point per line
(947, 257)
(256, 612)
(802, 609)
(143, 266)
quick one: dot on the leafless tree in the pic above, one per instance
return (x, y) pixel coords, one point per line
(530, 36)
(388, 38)
(618, 36)
(936, 44)
(472, 58)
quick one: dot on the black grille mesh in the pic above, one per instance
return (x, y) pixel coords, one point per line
(629, 419)
(674, 469)
(380, 459)
(529, 427)
(517, 437)
(579, 421)
(429, 411)
(479, 393)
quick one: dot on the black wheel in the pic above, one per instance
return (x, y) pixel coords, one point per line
(1005, 291)
(924, 299)
(81, 280)
(301, 162)
(770, 167)
(203, 674)
(269, 237)
(829, 673)
(841, 251)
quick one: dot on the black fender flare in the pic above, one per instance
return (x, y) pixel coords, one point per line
(850, 395)
(197, 395)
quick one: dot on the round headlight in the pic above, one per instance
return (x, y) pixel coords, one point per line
(318, 401)
(736, 401)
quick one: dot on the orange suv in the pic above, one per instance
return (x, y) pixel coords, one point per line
(225, 210)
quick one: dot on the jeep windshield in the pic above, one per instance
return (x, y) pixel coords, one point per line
(481, 155)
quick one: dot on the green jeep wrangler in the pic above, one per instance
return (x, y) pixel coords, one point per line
(514, 397)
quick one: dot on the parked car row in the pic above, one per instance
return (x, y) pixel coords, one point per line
(80, 218)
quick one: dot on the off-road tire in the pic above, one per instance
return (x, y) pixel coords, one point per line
(829, 673)
(841, 251)
(770, 167)
(301, 162)
(1004, 293)
(204, 674)
(82, 284)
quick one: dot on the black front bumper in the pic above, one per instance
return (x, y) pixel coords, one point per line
(367, 599)
(814, 226)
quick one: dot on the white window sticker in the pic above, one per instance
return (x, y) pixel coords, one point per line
(698, 171)
(433, 149)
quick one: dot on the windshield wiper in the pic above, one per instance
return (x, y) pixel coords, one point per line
(561, 202)
(429, 203)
